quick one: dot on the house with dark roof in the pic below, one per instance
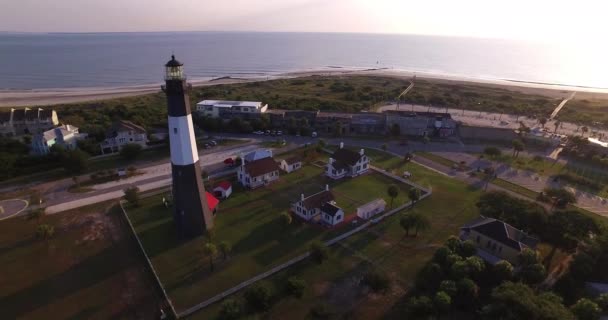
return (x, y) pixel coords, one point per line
(309, 207)
(347, 163)
(17, 122)
(121, 133)
(331, 214)
(497, 240)
(258, 173)
(291, 164)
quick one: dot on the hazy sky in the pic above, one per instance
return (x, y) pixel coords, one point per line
(531, 19)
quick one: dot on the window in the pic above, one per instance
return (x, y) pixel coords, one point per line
(338, 217)
(174, 130)
(488, 244)
(365, 166)
(477, 239)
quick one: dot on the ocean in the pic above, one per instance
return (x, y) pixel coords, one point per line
(36, 61)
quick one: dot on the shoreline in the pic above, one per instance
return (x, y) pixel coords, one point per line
(56, 96)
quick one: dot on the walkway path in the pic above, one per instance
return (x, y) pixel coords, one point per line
(561, 105)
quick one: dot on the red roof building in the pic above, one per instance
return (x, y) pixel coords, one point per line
(212, 201)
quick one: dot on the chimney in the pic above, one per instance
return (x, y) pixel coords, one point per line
(242, 161)
(331, 160)
(341, 145)
(362, 152)
(302, 197)
(326, 187)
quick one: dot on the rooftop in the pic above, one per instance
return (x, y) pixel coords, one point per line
(124, 125)
(261, 167)
(62, 130)
(501, 232)
(318, 199)
(330, 208)
(224, 185)
(257, 155)
(346, 156)
(373, 204)
(228, 104)
(293, 159)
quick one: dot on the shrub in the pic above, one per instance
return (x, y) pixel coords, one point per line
(296, 286)
(259, 297)
(231, 309)
(377, 281)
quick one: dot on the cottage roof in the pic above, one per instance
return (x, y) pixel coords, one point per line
(225, 185)
(257, 155)
(330, 208)
(318, 199)
(260, 167)
(373, 205)
(293, 159)
(346, 156)
(62, 131)
(122, 126)
(211, 201)
(502, 232)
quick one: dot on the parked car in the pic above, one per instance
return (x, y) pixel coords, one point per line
(213, 143)
(279, 133)
(314, 134)
(407, 174)
(258, 132)
(207, 146)
(267, 132)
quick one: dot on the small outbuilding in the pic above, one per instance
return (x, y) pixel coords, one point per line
(370, 209)
(212, 202)
(331, 214)
(291, 164)
(223, 190)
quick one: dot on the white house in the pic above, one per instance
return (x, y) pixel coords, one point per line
(291, 164)
(371, 209)
(331, 214)
(309, 207)
(258, 173)
(215, 108)
(257, 155)
(64, 135)
(122, 133)
(347, 163)
(223, 190)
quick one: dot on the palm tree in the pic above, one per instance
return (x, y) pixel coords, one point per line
(225, 248)
(542, 121)
(584, 130)
(422, 223)
(414, 195)
(210, 250)
(393, 192)
(517, 147)
(557, 124)
(384, 146)
(407, 222)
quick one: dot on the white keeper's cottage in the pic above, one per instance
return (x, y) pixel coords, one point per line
(347, 163)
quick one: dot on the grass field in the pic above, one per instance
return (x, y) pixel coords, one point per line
(333, 283)
(88, 270)
(248, 220)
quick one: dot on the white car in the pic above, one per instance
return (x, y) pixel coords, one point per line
(258, 132)
(407, 174)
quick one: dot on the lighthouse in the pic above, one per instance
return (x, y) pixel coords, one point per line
(190, 209)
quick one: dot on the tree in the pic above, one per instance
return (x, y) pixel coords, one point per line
(556, 124)
(45, 231)
(231, 309)
(426, 140)
(414, 195)
(75, 161)
(285, 219)
(259, 297)
(561, 197)
(442, 302)
(318, 252)
(296, 286)
(528, 257)
(35, 214)
(420, 307)
(384, 146)
(542, 121)
(533, 274)
(449, 287)
(467, 249)
(422, 223)
(407, 222)
(518, 301)
(492, 151)
(321, 143)
(602, 301)
(407, 157)
(584, 130)
(210, 250)
(132, 196)
(585, 309)
(225, 248)
(393, 192)
(467, 294)
(376, 280)
(503, 271)
(130, 151)
(518, 146)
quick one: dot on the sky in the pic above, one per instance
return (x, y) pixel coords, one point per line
(550, 20)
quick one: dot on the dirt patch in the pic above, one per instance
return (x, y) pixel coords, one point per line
(320, 288)
(94, 226)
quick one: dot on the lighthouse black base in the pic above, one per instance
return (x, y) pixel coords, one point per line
(189, 201)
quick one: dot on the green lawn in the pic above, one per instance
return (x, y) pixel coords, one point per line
(249, 221)
(515, 188)
(451, 205)
(80, 273)
(438, 159)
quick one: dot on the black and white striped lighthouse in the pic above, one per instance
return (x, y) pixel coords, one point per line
(190, 209)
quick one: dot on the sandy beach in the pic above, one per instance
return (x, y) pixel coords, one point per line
(36, 97)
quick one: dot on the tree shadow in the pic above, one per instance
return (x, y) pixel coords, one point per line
(26, 242)
(85, 274)
(160, 238)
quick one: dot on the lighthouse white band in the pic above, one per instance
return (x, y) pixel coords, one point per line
(182, 141)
